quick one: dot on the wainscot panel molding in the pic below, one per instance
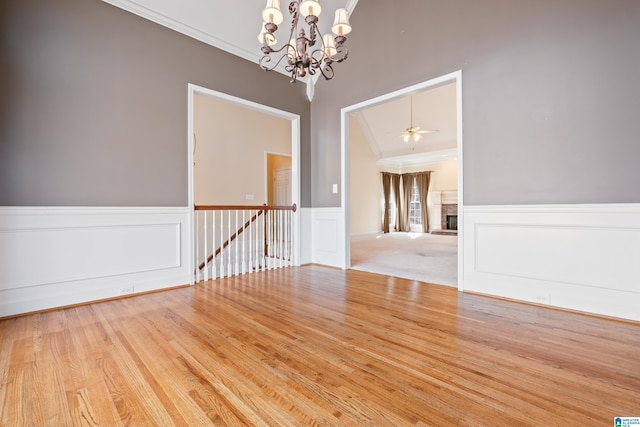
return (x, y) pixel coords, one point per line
(306, 236)
(58, 256)
(578, 257)
(327, 236)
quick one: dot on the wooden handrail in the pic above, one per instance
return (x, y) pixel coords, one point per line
(292, 208)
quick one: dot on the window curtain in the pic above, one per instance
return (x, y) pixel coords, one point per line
(395, 183)
(386, 191)
(407, 187)
(422, 182)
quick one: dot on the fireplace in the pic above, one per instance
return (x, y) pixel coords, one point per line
(451, 222)
(449, 217)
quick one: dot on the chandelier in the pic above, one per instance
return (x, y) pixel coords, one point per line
(299, 53)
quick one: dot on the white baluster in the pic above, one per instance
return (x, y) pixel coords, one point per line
(267, 239)
(257, 240)
(236, 265)
(280, 239)
(221, 243)
(274, 239)
(196, 219)
(206, 265)
(290, 239)
(276, 230)
(262, 239)
(244, 247)
(229, 269)
(214, 273)
(285, 239)
(272, 246)
(285, 243)
(250, 253)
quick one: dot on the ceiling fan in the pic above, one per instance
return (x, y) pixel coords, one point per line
(414, 132)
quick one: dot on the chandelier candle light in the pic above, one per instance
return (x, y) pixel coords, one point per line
(301, 59)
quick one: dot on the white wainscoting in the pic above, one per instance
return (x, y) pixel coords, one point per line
(54, 256)
(579, 257)
(306, 236)
(327, 236)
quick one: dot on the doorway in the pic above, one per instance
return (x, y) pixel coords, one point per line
(278, 179)
(250, 196)
(456, 79)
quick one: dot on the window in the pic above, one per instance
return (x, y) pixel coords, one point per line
(415, 215)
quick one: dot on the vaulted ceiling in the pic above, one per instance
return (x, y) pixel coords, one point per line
(433, 109)
(233, 26)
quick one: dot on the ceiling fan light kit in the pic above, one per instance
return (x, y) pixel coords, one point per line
(413, 132)
(300, 58)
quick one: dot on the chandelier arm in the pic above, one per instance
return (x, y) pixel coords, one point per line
(315, 59)
(341, 54)
(291, 70)
(327, 71)
(293, 10)
(286, 46)
(266, 59)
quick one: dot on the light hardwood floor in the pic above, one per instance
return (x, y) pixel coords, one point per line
(316, 346)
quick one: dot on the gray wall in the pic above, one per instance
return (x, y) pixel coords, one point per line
(551, 94)
(93, 105)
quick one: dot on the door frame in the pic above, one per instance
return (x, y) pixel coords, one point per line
(193, 90)
(454, 77)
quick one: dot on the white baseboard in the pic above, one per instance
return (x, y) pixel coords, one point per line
(579, 257)
(53, 256)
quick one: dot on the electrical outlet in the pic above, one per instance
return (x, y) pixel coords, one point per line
(543, 299)
(125, 290)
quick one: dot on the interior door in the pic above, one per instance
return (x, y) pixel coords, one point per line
(282, 187)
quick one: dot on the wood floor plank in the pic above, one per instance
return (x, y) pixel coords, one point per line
(316, 346)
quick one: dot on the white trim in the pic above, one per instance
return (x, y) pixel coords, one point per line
(580, 257)
(295, 154)
(345, 144)
(188, 30)
(585, 208)
(461, 210)
(58, 256)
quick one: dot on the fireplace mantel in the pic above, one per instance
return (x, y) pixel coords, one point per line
(449, 197)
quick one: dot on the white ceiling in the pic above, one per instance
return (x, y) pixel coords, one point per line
(234, 27)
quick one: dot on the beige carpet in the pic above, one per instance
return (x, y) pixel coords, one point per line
(416, 256)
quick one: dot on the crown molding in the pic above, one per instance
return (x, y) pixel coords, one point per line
(166, 21)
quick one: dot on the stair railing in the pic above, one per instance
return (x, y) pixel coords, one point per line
(246, 239)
